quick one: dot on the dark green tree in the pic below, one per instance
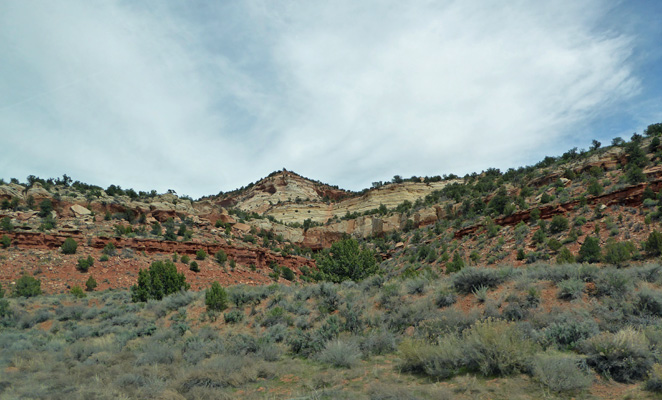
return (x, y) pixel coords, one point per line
(559, 224)
(653, 245)
(90, 284)
(216, 298)
(346, 260)
(590, 250)
(160, 280)
(27, 286)
(221, 257)
(69, 246)
(45, 208)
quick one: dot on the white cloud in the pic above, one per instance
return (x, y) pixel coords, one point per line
(211, 97)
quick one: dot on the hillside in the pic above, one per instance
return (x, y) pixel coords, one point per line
(538, 282)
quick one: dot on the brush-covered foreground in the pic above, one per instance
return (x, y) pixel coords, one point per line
(544, 331)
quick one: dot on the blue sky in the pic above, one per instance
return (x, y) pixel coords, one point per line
(202, 97)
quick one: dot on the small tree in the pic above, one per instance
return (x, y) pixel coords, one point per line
(85, 263)
(456, 265)
(45, 208)
(617, 253)
(69, 246)
(185, 259)
(346, 260)
(77, 292)
(90, 284)
(288, 274)
(200, 255)
(590, 250)
(27, 286)
(653, 245)
(221, 257)
(5, 242)
(558, 224)
(160, 280)
(565, 256)
(6, 225)
(216, 298)
(194, 267)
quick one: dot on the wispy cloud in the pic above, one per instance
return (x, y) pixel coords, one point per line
(208, 97)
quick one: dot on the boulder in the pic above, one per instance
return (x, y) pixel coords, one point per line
(80, 211)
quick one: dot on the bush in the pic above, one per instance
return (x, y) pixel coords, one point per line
(233, 316)
(654, 382)
(570, 289)
(590, 250)
(69, 246)
(340, 354)
(194, 267)
(200, 255)
(565, 256)
(561, 372)
(624, 356)
(288, 274)
(103, 258)
(470, 279)
(85, 263)
(185, 259)
(77, 292)
(90, 284)
(221, 257)
(617, 253)
(456, 265)
(558, 224)
(653, 245)
(5, 224)
(27, 286)
(45, 208)
(216, 298)
(160, 280)
(440, 361)
(346, 260)
(5, 242)
(568, 330)
(496, 347)
(445, 298)
(109, 249)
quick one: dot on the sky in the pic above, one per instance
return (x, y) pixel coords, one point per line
(202, 97)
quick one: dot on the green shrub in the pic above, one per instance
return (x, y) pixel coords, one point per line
(104, 258)
(496, 347)
(2, 292)
(568, 330)
(77, 292)
(570, 289)
(654, 382)
(561, 372)
(346, 260)
(559, 224)
(440, 361)
(340, 354)
(590, 250)
(287, 273)
(221, 257)
(194, 267)
(5, 224)
(69, 246)
(5, 241)
(565, 256)
(85, 263)
(554, 244)
(200, 255)
(160, 280)
(185, 259)
(233, 316)
(216, 298)
(617, 253)
(624, 356)
(456, 265)
(109, 249)
(27, 286)
(653, 245)
(90, 284)
(613, 282)
(45, 208)
(470, 279)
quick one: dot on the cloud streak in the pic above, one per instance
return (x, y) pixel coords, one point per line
(212, 96)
